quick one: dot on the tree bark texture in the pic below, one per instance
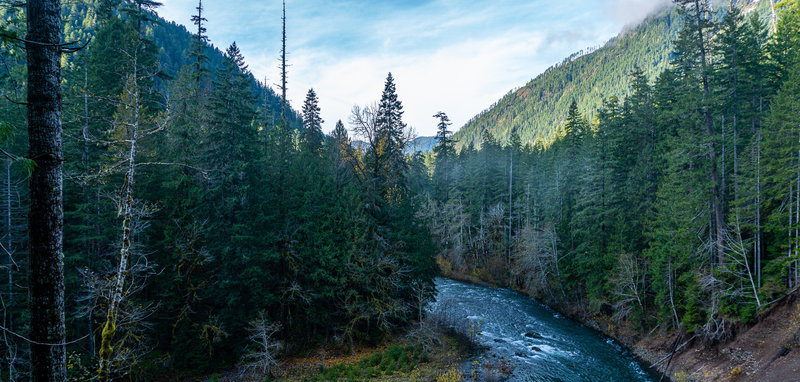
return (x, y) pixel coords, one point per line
(46, 217)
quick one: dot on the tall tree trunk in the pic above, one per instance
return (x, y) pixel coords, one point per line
(789, 280)
(797, 216)
(126, 211)
(510, 202)
(603, 157)
(774, 16)
(8, 316)
(757, 208)
(46, 217)
(86, 195)
(716, 202)
(724, 161)
(283, 67)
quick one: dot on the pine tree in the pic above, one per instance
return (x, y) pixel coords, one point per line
(232, 148)
(391, 133)
(633, 176)
(199, 41)
(444, 143)
(445, 155)
(343, 154)
(692, 48)
(781, 164)
(786, 45)
(312, 122)
(340, 133)
(284, 103)
(387, 163)
(140, 11)
(576, 130)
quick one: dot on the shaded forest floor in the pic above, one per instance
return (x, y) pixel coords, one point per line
(432, 352)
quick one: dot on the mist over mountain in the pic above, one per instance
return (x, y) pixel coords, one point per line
(539, 108)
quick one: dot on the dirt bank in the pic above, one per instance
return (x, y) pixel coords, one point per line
(768, 350)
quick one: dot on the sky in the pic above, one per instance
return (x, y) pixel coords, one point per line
(456, 56)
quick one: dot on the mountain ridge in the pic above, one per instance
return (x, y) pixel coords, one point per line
(174, 41)
(538, 108)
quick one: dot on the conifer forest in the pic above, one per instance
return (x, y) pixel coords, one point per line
(166, 215)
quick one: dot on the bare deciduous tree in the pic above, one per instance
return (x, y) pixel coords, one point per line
(132, 127)
(128, 341)
(628, 282)
(262, 359)
(536, 259)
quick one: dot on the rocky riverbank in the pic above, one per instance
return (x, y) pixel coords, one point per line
(766, 350)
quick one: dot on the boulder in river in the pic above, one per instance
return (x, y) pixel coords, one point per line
(534, 335)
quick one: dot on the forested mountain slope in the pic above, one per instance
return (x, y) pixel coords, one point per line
(540, 107)
(172, 39)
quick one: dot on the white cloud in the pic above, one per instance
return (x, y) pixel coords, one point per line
(631, 11)
(449, 55)
(460, 79)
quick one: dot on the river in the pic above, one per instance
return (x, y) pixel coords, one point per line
(537, 342)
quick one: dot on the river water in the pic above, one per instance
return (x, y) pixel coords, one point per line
(537, 342)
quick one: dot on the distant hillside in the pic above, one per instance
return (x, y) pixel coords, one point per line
(421, 144)
(538, 108)
(174, 42)
(417, 145)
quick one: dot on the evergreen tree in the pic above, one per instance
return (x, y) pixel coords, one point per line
(312, 122)
(445, 156)
(444, 143)
(693, 55)
(781, 166)
(391, 132)
(340, 133)
(199, 41)
(232, 200)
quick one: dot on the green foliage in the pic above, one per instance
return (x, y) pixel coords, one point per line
(243, 215)
(622, 211)
(27, 165)
(539, 108)
(6, 131)
(236, 214)
(395, 359)
(8, 36)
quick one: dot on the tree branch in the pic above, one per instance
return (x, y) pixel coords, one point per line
(66, 47)
(30, 341)
(15, 102)
(198, 169)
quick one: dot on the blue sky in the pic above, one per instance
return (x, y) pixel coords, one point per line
(455, 56)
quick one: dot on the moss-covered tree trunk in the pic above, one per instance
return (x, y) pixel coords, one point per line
(126, 212)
